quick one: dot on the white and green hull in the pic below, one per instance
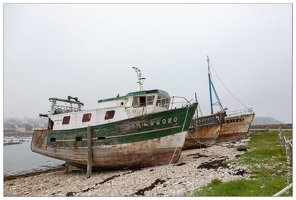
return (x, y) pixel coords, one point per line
(149, 140)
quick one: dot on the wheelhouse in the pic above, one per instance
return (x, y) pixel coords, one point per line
(139, 99)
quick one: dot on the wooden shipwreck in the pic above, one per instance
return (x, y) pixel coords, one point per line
(140, 129)
(221, 126)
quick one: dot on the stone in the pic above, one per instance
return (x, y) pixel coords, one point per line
(166, 180)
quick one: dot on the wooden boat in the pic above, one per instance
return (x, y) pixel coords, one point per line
(140, 129)
(204, 131)
(221, 126)
(236, 125)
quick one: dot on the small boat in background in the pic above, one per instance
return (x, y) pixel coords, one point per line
(141, 129)
(11, 140)
(221, 126)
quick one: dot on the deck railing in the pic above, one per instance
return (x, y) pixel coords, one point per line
(237, 112)
(177, 101)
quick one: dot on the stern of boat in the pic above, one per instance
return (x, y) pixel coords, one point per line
(38, 143)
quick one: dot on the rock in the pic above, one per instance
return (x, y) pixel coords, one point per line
(167, 180)
(242, 148)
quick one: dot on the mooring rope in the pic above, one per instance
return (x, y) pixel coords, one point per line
(169, 165)
(185, 118)
(197, 140)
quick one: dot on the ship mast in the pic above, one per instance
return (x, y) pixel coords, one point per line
(140, 79)
(210, 88)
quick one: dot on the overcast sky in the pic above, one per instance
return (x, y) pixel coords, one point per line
(88, 51)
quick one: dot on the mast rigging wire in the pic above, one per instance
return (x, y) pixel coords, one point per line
(226, 87)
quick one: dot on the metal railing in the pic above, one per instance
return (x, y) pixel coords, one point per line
(237, 112)
(180, 102)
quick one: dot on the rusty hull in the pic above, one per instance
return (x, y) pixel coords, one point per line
(234, 128)
(202, 137)
(158, 151)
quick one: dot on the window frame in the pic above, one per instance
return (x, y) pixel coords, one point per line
(66, 120)
(109, 114)
(86, 117)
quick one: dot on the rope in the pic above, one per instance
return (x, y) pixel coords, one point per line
(197, 140)
(185, 118)
(173, 156)
(166, 169)
(226, 88)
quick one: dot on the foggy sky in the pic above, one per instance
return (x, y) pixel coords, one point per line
(88, 51)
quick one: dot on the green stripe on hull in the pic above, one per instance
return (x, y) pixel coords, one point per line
(126, 131)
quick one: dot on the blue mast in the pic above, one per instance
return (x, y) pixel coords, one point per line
(210, 88)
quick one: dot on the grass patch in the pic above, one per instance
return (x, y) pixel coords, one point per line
(269, 170)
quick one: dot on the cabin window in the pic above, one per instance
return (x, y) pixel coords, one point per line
(139, 101)
(163, 101)
(52, 139)
(66, 120)
(109, 114)
(142, 101)
(158, 103)
(86, 117)
(78, 138)
(150, 100)
(136, 102)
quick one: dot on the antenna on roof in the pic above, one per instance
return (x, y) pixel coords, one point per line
(140, 79)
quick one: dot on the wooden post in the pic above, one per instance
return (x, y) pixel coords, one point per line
(89, 152)
(280, 135)
(289, 153)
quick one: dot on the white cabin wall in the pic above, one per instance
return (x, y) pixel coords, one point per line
(114, 103)
(75, 120)
(97, 118)
(160, 109)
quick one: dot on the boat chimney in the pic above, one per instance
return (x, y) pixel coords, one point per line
(140, 79)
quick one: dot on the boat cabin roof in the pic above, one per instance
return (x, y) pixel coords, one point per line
(137, 93)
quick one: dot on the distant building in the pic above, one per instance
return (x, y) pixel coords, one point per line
(15, 127)
(21, 129)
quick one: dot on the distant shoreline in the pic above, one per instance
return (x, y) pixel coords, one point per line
(17, 134)
(272, 126)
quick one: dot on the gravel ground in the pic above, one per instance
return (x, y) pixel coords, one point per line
(195, 168)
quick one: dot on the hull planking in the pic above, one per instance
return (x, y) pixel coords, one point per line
(149, 140)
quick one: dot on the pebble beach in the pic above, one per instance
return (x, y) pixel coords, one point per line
(195, 168)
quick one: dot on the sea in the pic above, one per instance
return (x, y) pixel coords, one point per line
(18, 159)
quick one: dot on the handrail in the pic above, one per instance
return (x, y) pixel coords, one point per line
(184, 104)
(242, 111)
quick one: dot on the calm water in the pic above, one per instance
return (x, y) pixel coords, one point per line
(19, 159)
